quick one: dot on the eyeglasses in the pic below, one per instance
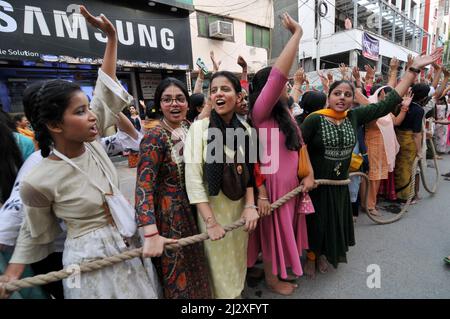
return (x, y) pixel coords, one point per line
(169, 100)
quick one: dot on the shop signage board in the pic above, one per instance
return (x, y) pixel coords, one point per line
(55, 31)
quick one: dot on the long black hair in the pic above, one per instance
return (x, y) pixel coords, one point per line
(311, 101)
(197, 100)
(164, 84)
(280, 112)
(10, 156)
(45, 103)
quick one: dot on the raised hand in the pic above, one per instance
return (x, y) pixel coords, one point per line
(215, 63)
(299, 76)
(101, 22)
(394, 63)
(370, 72)
(307, 83)
(446, 72)
(291, 24)
(330, 77)
(424, 60)
(407, 99)
(356, 74)
(343, 69)
(410, 61)
(241, 61)
(324, 80)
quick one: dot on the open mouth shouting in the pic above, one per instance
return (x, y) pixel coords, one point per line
(93, 130)
(220, 103)
(175, 112)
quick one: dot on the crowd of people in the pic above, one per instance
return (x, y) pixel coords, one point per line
(198, 171)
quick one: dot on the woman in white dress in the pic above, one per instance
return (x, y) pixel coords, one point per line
(66, 128)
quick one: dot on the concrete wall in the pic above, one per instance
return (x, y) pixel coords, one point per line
(351, 39)
(258, 12)
(227, 51)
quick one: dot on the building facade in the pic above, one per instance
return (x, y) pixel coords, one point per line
(231, 29)
(50, 39)
(359, 32)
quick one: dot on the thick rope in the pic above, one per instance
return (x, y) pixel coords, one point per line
(423, 164)
(109, 261)
(380, 219)
(130, 254)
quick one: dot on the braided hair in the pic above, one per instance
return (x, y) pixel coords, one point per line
(280, 112)
(45, 103)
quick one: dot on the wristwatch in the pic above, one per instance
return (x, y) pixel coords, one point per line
(415, 70)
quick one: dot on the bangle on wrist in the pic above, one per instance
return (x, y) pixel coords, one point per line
(250, 206)
(207, 220)
(151, 235)
(415, 70)
(263, 198)
(211, 226)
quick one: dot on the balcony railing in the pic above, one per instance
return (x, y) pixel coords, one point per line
(383, 19)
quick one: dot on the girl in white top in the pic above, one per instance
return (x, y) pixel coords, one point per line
(61, 117)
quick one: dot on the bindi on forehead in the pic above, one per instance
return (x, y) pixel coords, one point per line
(343, 87)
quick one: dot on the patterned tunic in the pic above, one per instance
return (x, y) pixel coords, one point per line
(161, 198)
(330, 145)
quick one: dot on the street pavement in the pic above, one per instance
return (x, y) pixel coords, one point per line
(408, 253)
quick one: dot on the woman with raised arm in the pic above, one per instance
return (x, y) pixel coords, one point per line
(330, 136)
(280, 236)
(71, 183)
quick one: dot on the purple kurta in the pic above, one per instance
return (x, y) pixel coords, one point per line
(281, 236)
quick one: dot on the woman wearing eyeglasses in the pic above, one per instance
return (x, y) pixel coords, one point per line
(162, 205)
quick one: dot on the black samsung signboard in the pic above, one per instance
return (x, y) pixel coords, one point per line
(55, 31)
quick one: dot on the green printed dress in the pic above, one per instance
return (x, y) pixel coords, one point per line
(330, 145)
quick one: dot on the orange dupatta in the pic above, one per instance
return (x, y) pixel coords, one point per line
(332, 113)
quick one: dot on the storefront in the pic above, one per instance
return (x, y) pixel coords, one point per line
(45, 40)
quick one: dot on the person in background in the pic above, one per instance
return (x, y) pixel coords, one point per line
(24, 143)
(197, 103)
(135, 118)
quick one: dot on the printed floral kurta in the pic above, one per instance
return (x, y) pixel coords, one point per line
(161, 198)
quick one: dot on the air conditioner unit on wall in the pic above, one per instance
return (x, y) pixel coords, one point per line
(221, 29)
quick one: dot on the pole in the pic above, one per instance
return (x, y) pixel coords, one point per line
(318, 34)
